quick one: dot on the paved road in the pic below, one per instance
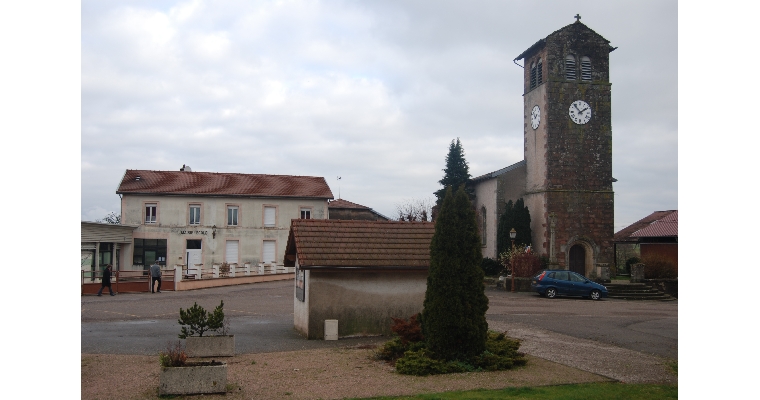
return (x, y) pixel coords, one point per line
(261, 318)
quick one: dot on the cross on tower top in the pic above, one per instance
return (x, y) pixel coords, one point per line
(577, 18)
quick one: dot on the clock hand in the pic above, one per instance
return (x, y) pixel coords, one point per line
(576, 107)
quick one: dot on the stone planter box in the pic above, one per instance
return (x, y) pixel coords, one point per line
(210, 346)
(194, 378)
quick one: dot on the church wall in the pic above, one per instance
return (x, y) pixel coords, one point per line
(486, 196)
(583, 217)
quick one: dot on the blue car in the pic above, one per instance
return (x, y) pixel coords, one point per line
(552, 283)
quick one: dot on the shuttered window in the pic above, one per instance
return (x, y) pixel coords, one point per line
(539, 73)
(270, 214)
(585, 68)
(268, 251)
(570, 68)
(231, 252)
(532, 76)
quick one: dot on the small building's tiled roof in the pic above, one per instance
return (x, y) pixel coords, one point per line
(663, 227)
(340, 203)
(321, 243)
(657, 224)
(226, 184)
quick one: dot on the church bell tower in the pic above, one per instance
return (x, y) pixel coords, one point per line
(568, 146)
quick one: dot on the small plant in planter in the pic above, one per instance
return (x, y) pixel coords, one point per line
(179, 376)
(196, 321)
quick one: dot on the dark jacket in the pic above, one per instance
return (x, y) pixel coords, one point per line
(106, 277)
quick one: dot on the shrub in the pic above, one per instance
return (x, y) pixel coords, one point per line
(490, 266)
(657, 267)
(500, 354)
(526, 265)
(408, 331)
(174, 356)
(454, 311)
(196, 320)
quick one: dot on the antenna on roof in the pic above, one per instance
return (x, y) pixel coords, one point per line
(338, 187)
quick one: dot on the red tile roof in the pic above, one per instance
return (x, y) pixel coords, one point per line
(229, 184)
(340, 203)
(663, 227)
(321, 243)
(657, 224)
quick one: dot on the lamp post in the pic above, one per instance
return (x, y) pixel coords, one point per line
(512, 235)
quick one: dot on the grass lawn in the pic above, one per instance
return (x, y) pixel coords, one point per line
(587, 391)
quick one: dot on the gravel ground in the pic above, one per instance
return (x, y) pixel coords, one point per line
(334, 373)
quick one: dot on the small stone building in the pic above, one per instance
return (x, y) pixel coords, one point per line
(360, 273)
(655, 235)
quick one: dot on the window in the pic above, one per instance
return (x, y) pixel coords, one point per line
(232, 215)
(195, 214)
(147, 251)
(585, 68)
(231, 252)
(270, 214)
(539, 73)
(150, 213)
(570, 69)
(306, 213)
(532, 76)
(483, 225)
(267, 253)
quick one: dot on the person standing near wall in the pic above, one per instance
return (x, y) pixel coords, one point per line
(155, 275)
(106, 281)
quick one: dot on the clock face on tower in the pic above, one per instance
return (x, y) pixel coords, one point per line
(580, 112)
(535, 117)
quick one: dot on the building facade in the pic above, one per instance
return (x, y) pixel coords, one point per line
(202, 218)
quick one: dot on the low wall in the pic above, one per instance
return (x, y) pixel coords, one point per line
(668, 286)
(193, 284)
(521, 284)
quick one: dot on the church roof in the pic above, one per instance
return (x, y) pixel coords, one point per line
(327, 243)
(657, 224)
(578, 26)
(222, 184)
(496, 173)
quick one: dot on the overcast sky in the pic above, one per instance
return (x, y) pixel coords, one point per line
(370, 91)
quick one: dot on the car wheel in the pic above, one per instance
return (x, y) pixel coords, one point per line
(596, 295)
(551, 292)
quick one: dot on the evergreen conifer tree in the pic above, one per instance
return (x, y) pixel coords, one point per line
(515, 216)
(454, 312)
(456, 173)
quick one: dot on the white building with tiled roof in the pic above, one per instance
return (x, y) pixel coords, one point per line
(188, 218)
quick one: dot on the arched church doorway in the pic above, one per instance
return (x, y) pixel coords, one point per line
(578, 259)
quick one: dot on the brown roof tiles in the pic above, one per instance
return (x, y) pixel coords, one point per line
(359, 244)
(230, 184)
(657, 224)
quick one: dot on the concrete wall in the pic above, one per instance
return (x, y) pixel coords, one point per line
(173, 217)
(363, 302)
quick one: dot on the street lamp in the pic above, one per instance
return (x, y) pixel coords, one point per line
(513, 235)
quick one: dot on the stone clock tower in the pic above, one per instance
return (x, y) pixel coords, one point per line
(568, 146)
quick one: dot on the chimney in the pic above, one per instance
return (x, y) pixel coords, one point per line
(186, 168)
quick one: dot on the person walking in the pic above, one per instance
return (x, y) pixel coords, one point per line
(155, 275)
(106, 281)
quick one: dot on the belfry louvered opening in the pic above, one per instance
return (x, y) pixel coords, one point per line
(539, 73)
(585, 68)
(532, 76)
(570, 68)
